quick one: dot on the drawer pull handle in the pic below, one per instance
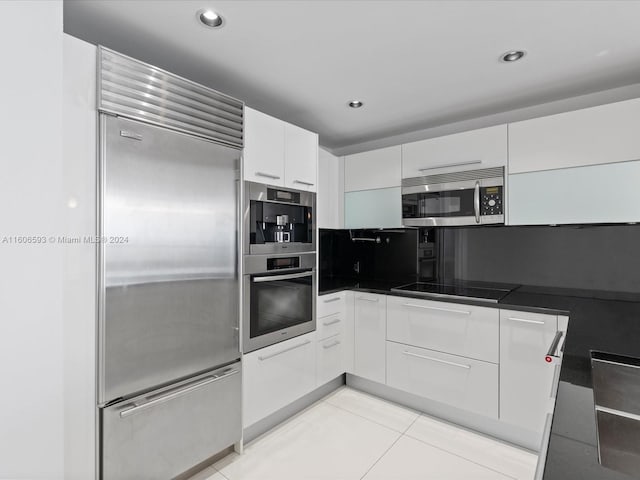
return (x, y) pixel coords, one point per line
(461, 312)
(332, 322)
(368, 299)
(455, 164)
(267, 175)
(329, 300)
(303, 183)
(151, 401)
(453, 364)
(619, 413)
(525, 320)
(267, 357)
(337, 342)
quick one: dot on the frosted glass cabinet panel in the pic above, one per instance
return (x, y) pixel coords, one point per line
(380, 208)
(594, 194)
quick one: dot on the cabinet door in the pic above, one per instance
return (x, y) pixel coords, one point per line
(277, 375)
(263, 148)
(526, 380)
(370, 318)
(331, 358)
(374, 169)
(373, 208)
(473, 150)
(594, 194)
(603, 134)
(300, 158)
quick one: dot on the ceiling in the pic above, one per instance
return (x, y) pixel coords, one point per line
(415, 64)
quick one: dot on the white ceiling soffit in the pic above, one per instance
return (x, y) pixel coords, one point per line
(416, 65)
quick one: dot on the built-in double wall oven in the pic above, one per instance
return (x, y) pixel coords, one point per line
(279, 274)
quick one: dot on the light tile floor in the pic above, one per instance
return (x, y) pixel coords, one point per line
(350, 435)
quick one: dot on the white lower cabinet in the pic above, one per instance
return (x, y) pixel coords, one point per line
(466, 330)
(330, 358)
(456, 381)
(277, 375)
(526, 379)
(370, 332)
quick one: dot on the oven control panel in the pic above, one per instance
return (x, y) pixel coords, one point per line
(491, 201)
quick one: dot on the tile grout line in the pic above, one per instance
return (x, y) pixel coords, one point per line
(218, 471)
(402, 434)
(455, 454)
(373, 421)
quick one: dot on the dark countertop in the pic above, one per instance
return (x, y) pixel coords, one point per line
(606, 322)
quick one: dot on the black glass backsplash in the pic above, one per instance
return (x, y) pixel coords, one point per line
(390, 255)
(591, 257)
(595, 258)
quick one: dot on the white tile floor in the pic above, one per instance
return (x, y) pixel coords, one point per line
(350, 435)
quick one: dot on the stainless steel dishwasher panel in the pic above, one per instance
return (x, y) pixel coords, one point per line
(616, 392)
(616, 384)
(619, 441)
(166, 432)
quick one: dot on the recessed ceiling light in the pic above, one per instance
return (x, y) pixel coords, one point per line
(210, 18)
(512, 55)
(355, 104)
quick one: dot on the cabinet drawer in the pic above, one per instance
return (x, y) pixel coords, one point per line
(166, 432)
(330, 304)
(457, 381)
(330, 326)
(277, 375)
(464, 330)
(330, 357)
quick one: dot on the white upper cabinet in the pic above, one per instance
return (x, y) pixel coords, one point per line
(372, 170)
(329, 201)
(605, 134)
(263, 148)
(300, 158)
(278, 153)
(473, 150)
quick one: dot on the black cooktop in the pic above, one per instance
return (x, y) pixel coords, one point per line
(438, 290)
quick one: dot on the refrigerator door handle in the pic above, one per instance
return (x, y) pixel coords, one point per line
(135, 408)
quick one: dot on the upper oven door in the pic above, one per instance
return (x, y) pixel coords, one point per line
(277, 307)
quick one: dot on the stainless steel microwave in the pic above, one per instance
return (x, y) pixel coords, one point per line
(473, 197)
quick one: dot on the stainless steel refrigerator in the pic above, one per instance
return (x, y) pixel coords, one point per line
(169, 372)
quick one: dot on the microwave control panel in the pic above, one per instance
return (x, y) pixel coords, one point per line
(491, 201)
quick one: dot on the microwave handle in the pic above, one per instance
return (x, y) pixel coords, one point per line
(476, 201)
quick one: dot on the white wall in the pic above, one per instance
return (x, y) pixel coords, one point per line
(79, 296)
(31, 203)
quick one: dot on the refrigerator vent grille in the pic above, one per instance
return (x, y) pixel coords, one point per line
(136, 90)
(454, 177)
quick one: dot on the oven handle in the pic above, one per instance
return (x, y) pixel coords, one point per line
(277, 278)
(476, 201)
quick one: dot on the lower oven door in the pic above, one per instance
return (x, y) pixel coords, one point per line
(168, 431)
(277, 307)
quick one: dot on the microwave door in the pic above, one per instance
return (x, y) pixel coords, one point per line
(434, 208)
